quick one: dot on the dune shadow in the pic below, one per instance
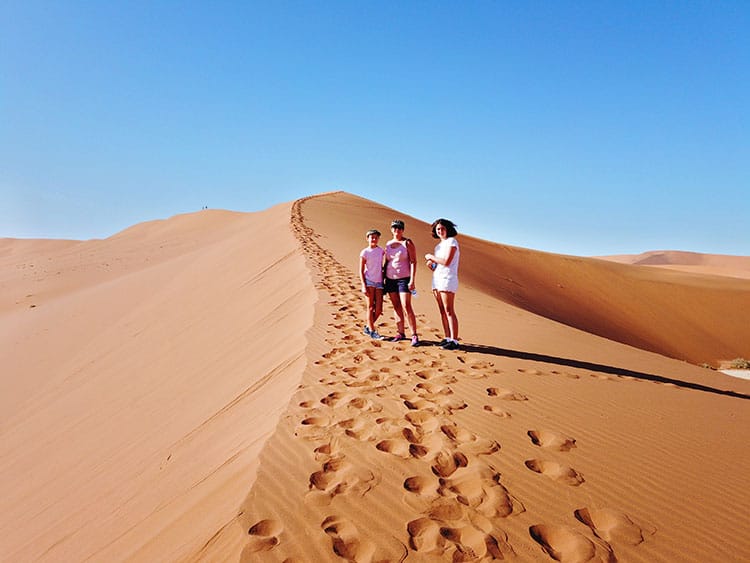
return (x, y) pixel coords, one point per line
(600, 368)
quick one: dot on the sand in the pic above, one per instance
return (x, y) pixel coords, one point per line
(197, 390)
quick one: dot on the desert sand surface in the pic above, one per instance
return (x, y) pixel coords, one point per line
(714, 264)
(199, 389)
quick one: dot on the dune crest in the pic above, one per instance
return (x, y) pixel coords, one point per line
(203, 395)
(695, 262)
(141, 376)
(401, 453)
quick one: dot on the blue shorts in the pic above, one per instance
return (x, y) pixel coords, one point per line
(401, 285)
(376, 285)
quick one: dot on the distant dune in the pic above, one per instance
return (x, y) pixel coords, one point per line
(199, 389)
(714, 264)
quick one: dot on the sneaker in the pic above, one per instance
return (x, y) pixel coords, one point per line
(450, 345)
(376, 335)
(415, 340)
(367, 331)
(443, 342)
(398, 338)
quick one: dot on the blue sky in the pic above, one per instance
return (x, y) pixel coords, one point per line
(582, 128)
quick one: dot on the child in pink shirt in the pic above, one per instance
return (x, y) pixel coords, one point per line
(371, 276)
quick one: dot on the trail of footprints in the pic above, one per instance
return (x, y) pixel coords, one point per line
(405, 411)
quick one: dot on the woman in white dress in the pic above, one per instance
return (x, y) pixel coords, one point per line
(444, 266)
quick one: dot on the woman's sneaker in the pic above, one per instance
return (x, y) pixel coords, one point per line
(376, 335)
(367, 331)
(415, 340)
(398, 338)
(450, 345)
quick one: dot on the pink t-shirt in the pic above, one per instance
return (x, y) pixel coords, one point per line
(398, 260)
(373, 263)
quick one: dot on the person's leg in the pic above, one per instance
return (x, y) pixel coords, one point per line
(411, 318)
(378, 304)
(371, 308)
(398, 311)
(448, 298)
(443, 316)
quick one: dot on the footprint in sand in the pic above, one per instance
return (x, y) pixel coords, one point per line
(425, 420)
(264, 536)
(424, 536)
(567, 545)
(555, 471)
(315, 421)
(446, 463)
(472, 544)
(346, 540)
(358, 428)
(545, 439)
(506, 394)
(401, 448)
(332, 399)
(433, 389)
(614, 526)
(530, 371)
(448, 532)
(420, 485)
(337, 477)
(461, 437)
(480, 489)
(497, 411)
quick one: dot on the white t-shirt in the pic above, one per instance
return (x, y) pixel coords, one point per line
(445, 278)
(373, 263)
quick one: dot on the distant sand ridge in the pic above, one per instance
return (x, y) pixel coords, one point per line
(220, 357)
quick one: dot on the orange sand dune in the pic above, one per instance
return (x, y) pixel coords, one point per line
(195, 390)
(141, 376)
(714, 264)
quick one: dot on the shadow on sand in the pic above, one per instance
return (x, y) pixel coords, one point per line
(600, 368)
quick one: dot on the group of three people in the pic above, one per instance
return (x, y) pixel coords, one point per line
(392, 270)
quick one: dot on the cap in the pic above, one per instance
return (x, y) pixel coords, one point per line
(397, 224)
(372, 232)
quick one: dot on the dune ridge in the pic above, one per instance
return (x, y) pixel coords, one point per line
(132, 370)
(186, 391)
(714, 264)
(389, 453)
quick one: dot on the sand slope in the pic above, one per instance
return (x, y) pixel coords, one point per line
(538, 441)
(714, 264)
(141, 375)
(197, 390)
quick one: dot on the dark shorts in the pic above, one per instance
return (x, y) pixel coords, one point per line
(400, 285)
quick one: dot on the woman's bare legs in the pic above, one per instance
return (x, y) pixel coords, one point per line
(443, 316)
(410, 316)
(398, 311)
(448, 313)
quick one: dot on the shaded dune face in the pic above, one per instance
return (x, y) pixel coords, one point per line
(696, 318)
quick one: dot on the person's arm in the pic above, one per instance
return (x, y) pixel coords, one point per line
(412, 251)
(444, 261)
(362, 263)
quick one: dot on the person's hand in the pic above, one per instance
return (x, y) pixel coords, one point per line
(364, 288)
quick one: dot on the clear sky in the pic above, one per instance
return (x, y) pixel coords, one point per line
(582, 128)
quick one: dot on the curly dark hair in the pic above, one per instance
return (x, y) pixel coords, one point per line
(449, 226)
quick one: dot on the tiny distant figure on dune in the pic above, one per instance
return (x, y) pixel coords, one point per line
(400, 274)
(371, 261)
(444, 266)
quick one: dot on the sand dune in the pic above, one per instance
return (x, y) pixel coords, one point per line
(187, 391)
(713, 264)
(141, 376)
